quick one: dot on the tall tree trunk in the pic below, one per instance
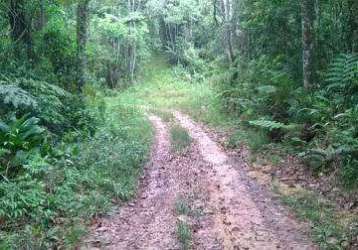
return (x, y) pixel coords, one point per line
(227, 12)
(163, 33)
(42, 14)
(131, 47)
(20, 27)
(353, 26)
(40, 20)
(82, 36)
(215, 11)
(308, 14)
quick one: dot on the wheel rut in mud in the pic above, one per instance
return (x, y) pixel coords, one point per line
(232, 211)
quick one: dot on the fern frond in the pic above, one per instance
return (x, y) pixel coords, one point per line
(342, 73)
(17, 97)
(271, 125)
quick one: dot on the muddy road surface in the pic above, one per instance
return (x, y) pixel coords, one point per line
(226, 208)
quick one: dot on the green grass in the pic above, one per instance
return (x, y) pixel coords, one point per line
(184, 234)
(160, 88)
(182, 207)
(183, 228)
(82, 182)
(329, 228)
(166, 116)
(180, 139)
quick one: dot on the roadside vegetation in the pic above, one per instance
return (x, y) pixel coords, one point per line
(53, 190)
(330, 229)
(76, 77)
(70, 148)
(183, 230)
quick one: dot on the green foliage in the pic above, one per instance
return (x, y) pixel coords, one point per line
(18, 138)
(174, 26)
(49, 99)
(59, 48)
(319, 158)
(83, 151)
(51, 201)
(332, 115)
(270, 125)
(342, 79)
(184, 234)
(182, 207)
(262, 88)
(327, 229)
(58, 110)
(318, 126)
(24, 198)
(119, 45)
(15, 97)
(342, 70)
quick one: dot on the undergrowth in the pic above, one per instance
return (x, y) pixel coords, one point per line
(166, 88)
(330, 229)
(51, 205)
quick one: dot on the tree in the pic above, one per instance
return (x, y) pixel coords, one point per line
(131, 48)
(20, 25)
(307, 11)
(82, 37)
(353, 26)
(227, 10)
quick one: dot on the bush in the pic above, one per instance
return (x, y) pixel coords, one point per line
(18, 139)
(59, 47)
(319, 125)
(58, 110)
(49, 203)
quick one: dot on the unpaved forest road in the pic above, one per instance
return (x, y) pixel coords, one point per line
(236, 212)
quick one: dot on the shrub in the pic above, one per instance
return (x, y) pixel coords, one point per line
(319, 125)
(18, 139)
(58, 110)
(59, 47)
(50, 202)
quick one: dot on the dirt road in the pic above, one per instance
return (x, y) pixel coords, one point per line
(232, 211)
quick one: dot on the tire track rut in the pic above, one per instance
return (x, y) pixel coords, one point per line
(237, 212)
(243, 218)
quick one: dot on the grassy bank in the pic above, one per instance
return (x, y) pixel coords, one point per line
(163, 87)
(84, 178)
(331, 229)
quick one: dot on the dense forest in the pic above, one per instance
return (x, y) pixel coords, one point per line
(283, 76)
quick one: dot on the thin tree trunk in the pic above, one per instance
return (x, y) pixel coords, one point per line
(82, 33)
(163, 33)
(215, 11)
(227, 12)
(42, 14)
(131, 47)
(308, 10)
(20, 26)
(353, 26)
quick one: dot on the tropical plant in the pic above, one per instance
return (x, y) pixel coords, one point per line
(342, 81)
(17, 139)
(12, 97)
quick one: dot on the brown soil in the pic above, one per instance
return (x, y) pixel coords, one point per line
(234, 211)
(292, 172)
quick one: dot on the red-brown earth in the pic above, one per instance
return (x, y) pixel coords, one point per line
(233, 210)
